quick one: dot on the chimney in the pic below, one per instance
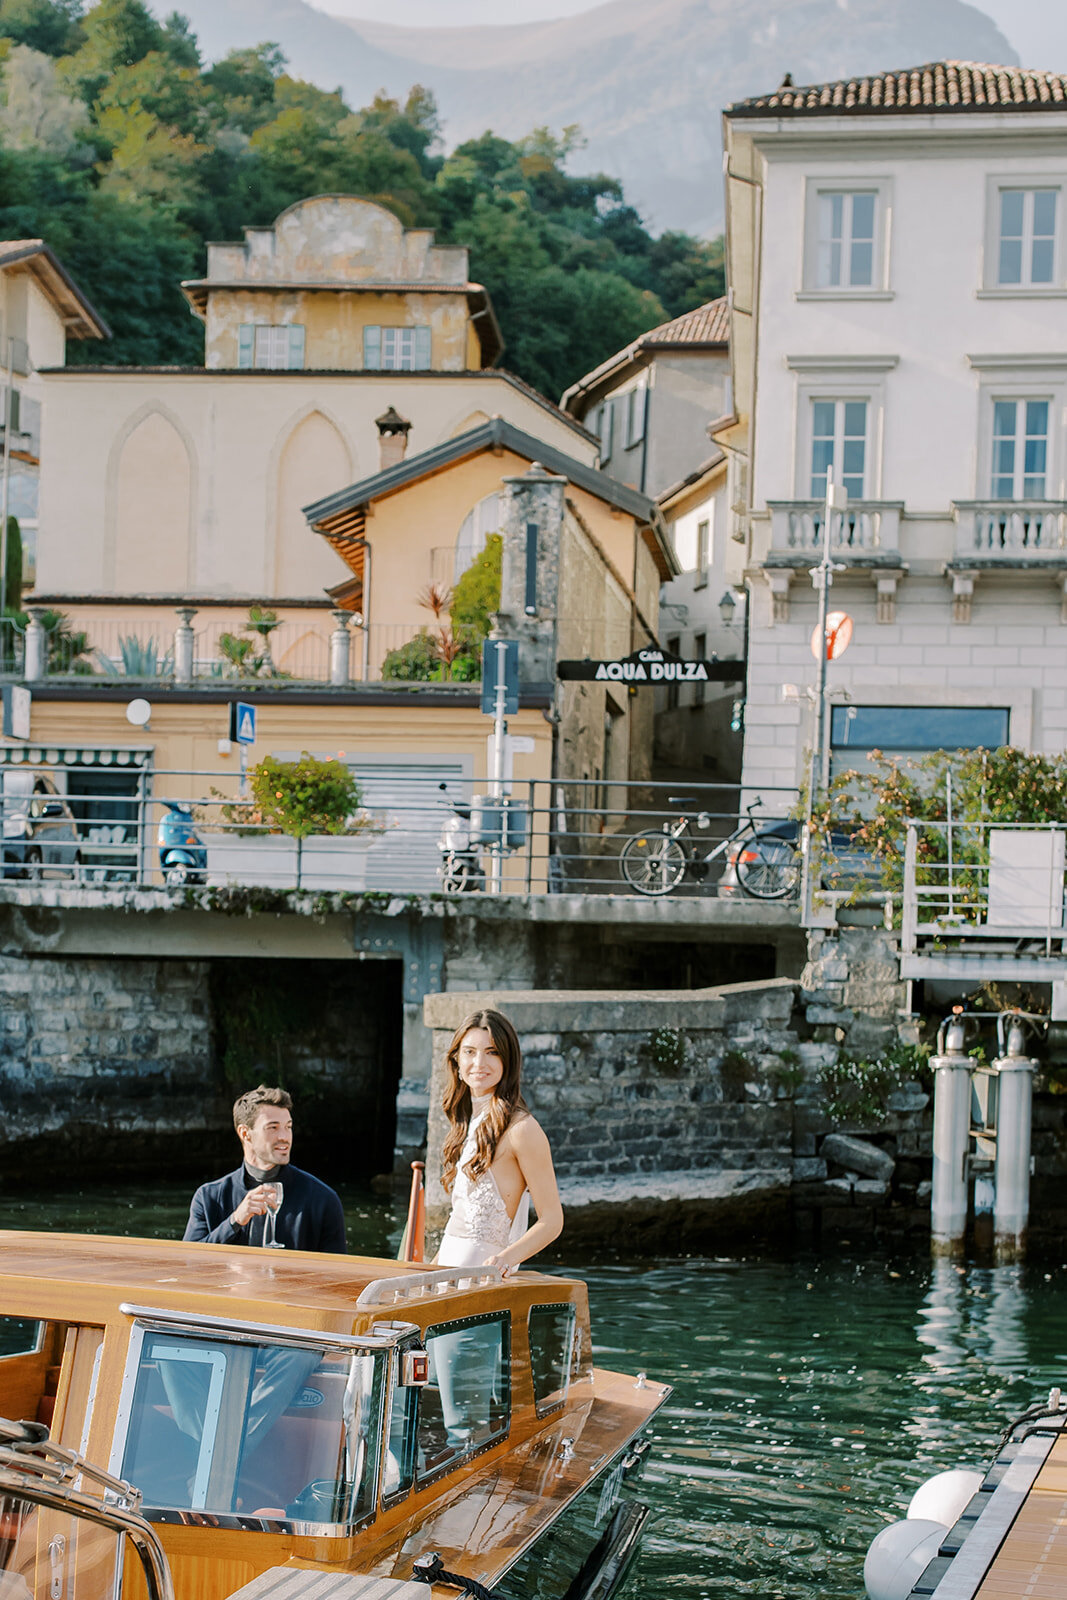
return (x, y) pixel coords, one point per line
(393, 432)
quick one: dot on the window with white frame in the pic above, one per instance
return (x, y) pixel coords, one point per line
(1020, 454)
(271, 347)
(845, 239)
(839, 430)
(396, 349)
(1026, 237)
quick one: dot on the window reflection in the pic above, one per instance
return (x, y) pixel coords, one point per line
(265, 1431)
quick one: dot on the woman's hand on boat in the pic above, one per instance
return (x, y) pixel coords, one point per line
(501, 1260)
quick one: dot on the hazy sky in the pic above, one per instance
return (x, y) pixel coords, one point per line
(1037, 28)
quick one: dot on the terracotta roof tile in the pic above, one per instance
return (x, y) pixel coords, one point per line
(707, 324)
(937, 86)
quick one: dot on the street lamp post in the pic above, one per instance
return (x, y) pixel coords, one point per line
(822, 577)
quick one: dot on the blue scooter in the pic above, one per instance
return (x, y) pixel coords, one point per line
(182, 853)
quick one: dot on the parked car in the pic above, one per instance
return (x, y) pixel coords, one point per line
(846, 865)
(40, 834)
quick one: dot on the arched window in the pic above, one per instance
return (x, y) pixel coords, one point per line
(486, 518)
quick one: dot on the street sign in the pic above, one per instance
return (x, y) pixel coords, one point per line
(494, 653)
(242, 722)
(649, 667)
(838, 635)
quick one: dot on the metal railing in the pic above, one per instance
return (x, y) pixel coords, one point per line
(94, 823)
(989, 881)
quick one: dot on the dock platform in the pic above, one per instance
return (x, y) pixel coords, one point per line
(1010, 1542)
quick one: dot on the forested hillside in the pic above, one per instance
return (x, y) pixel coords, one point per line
(125, 152)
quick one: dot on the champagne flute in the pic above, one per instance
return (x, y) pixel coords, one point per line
(275, 1194)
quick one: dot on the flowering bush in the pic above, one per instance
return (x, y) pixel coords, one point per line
(306, 796)
(1006, 785)
(858, 1091)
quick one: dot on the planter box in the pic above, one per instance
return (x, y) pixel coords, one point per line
(272, 860)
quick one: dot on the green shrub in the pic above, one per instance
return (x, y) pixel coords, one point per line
(477, 594)
(304, 797)
(417, 661)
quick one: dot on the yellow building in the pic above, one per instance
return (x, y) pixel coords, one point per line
(338, 284)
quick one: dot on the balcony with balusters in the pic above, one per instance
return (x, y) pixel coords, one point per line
(865, 537)
(1011, 532)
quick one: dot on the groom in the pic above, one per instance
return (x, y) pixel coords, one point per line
(231, 1210)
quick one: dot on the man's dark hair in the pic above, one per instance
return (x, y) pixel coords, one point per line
(244, 1109)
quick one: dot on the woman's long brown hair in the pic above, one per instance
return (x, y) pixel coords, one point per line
(507, 1098)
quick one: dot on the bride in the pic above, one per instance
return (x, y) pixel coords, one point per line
(496, 1157)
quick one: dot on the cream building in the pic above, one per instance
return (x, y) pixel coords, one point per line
(333, 341)
(898, 260)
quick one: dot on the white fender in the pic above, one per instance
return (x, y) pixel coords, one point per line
(898, 1556)
(943, 1497)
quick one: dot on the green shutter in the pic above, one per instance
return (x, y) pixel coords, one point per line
(246, 341)
(296, 345)
(423, 354)
(372, 349)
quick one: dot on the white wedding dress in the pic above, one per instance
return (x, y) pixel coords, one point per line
(479, 1225)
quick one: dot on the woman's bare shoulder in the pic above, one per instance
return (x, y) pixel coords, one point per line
(524, 1130)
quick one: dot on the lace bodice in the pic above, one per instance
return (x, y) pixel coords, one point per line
(479, 1225)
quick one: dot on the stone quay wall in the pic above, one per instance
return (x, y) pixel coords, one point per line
(684, 1117)
(118, 1066)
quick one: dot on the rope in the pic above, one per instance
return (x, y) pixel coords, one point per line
(430, 1569)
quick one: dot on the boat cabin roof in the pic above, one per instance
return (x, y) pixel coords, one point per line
(88, 1277)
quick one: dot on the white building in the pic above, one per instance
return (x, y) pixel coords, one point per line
(897, 249)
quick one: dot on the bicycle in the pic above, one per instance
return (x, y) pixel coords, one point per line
(767, 864)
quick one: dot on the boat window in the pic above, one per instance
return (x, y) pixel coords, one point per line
(466, 1405)
(398, 1474)
(264, 1431)
(552, 1330)
(19, 1336)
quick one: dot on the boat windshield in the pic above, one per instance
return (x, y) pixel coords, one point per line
(232, 1430)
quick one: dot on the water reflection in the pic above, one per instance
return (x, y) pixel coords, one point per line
(811, 1397)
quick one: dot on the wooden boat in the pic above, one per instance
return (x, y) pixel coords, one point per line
(294, 1423)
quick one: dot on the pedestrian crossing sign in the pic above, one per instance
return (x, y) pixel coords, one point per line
(242, 722)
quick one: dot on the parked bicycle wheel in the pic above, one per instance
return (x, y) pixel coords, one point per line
(767, 867)
(653, 863)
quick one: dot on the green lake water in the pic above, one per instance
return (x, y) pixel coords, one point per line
(811, 1396)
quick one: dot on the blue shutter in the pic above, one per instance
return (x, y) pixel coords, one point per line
(296, 345)
(372, 349)
(422, 350)
(246, 340)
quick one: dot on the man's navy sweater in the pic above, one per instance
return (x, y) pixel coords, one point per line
(310, 1217)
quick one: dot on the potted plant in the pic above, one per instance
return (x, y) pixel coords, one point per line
(303, 826)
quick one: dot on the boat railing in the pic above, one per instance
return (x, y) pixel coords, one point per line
(422, 1285)
(36, 1471)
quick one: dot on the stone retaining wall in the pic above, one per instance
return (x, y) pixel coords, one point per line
(698, 1111)
(112, 1065)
